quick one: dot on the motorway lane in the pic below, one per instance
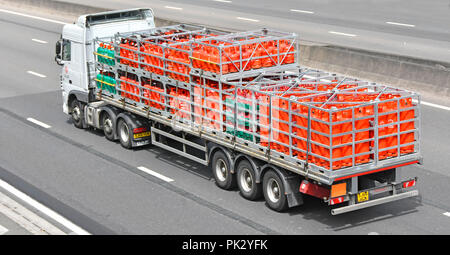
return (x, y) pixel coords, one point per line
(16, 59)
(95, 183)
(418, 29)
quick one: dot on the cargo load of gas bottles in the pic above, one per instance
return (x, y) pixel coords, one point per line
(248, 87)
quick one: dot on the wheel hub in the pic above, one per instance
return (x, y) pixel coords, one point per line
(246, 180)
(221, 170)
(273, 190)
(107, 125)
(76, 113)
(124, 133)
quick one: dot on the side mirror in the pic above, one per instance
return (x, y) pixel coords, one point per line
(58, 53)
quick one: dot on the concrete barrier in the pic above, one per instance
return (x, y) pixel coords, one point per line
(431, 79)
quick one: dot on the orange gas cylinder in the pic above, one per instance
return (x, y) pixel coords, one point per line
(173, 101)
(391, 129)
(283, 51)
(265, 61)
(124, 53)
(199, 93)
(235, 66)
(300, 119)
(146, 93)
(135, 92)
(264, 124)
(257, 62)
(195, 57)
(124, 86)
(363, 135)
(214, 58)
(147, 57)
(280, 120)
(213, 103)
(184, 104)
(159, 60)
(290, 58)
(407, 115)
(179, 103)
(273, 60)
(157, 94)
(246, 61)
(224, 66)
(133, 55)
(205, 55)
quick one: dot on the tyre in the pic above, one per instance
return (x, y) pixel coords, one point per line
(222, 171)
(77, 115)
(125, 134)
(246, 181)
(273, 190)
(108, 126)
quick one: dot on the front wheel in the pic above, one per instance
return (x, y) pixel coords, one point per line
(77, 114)
(274, 191)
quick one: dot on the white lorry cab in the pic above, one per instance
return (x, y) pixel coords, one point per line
(75, 53)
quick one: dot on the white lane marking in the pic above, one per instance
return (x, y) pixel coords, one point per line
(447, 214)
(340, 33)
(158, 175)
(247, 19)
(173, 8)
(372, 234)
(435, 105)
(42, 208)
(3, 230)
(36, 74)
(400, 24)
(33, 17)
(37, 122)
(26, 218)
(302, 11)
(39, 41)
(222, 1)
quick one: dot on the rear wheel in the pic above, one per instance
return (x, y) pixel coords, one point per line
(222, 171)
(274, 191)
(247, 182)
(125, 134)
(108, 127)
(77, 115)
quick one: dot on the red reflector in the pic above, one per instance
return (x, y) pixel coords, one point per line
(409, 184)
(314, 189)
(336, 200)
(139, 130)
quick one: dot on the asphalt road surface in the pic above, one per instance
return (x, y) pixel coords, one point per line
(97, 185)
(414, 28)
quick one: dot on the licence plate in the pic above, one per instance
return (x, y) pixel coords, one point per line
(140, 135)
(363, 196)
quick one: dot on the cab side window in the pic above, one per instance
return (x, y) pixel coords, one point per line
(66, 50)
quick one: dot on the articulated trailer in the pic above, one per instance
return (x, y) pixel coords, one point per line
(240, 104)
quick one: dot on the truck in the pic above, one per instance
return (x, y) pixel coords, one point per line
(240, 104)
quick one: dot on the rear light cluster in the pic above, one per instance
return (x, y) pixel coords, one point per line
(139, 130)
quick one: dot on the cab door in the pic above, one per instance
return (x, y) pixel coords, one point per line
(72, 59)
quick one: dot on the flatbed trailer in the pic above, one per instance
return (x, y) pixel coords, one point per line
(242, 114)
